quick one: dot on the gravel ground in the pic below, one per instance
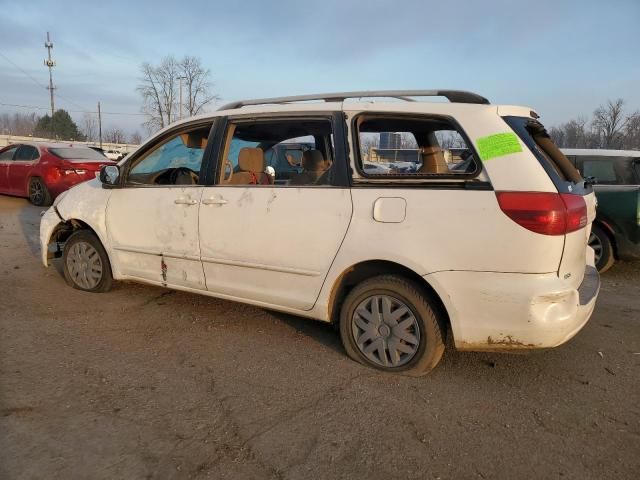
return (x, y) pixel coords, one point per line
(150, 383)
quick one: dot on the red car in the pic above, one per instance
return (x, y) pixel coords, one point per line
(42, 171)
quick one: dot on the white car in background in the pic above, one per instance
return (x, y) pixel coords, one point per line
(493, 253)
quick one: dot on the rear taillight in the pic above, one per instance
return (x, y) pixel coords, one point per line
(545, 213)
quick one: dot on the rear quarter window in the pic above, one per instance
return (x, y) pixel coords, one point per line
(394, 146)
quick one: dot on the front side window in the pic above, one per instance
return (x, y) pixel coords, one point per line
(295, 152)
(412, 147)
(175, 161)
(8, 154)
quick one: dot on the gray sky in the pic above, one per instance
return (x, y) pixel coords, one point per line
(563, 58)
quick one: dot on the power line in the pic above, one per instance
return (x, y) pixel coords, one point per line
(71, 102)
(34, 107)
(27, 74)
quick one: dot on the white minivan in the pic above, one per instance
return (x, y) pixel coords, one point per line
(403, 221)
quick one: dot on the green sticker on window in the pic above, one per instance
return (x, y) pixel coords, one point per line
(498, 145)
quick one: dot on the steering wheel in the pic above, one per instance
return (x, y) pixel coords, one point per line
(178, 174)
(224, 168)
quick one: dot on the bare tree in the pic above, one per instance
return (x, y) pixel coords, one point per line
(609, 122)
(135, 138)
(159, 90)
(18, 123)
(632, 132)
(89, 127)
(197, 85)
(114, 135)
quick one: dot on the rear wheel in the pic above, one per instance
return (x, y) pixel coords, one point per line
(600, 241)
(38, 193)
(86, 264)
(388, 323)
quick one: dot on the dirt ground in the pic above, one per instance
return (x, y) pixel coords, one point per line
(150, 383)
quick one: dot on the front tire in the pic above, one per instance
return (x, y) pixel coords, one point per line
(388, 323)
(39, 193)
(86, 264)
(602, 246)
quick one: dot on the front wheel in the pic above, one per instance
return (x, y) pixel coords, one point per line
(86, 264)
(600, 241)
(388, 323)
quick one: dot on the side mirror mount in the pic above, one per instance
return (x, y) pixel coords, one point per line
(110, 175)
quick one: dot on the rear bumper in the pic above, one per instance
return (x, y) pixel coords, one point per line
(510, 311)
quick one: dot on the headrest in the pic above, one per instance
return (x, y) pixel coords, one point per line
(313, 161)
(251, 160)
(195, 139)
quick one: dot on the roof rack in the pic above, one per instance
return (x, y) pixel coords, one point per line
(454, 96)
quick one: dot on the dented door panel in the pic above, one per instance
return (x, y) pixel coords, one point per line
(154, 234)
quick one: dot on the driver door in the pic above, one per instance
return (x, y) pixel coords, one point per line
(152, 218)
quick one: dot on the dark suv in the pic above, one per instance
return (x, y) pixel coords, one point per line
(616, 230)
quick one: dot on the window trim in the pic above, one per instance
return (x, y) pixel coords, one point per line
(339, 171)
(154, 143)
(437, 179)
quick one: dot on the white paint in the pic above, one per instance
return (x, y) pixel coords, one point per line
(151, 225)
(293, 232)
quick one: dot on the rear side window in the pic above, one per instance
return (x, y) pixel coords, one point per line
(412, 147)
(26, 153)
(608, 170)
(535, 136)
(601, 169)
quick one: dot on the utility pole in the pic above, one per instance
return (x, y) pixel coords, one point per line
(99, 125)
(180, 109)
(50, 62)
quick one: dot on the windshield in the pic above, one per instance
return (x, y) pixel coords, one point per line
(78, 154)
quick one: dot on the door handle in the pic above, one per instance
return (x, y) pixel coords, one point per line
(214, 201)
(185, 201)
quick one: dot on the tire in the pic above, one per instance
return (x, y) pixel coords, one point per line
(39, 193)
(377, 341)
(601, 243)
(86, 264)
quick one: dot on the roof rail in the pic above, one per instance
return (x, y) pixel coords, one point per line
(454, 96)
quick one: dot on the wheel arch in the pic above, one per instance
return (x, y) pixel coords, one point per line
(364, 270)
(63, 230)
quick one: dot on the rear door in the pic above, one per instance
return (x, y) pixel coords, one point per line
(6, 159)
(24, 160)
(274, 243)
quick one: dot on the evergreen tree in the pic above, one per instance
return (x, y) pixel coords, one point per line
(65, 127)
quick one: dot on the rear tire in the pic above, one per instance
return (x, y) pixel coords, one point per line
(389, 323)
(86, 264)
(38, 193)
(602, 246)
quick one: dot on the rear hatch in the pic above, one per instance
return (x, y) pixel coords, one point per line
(81, 161)
(576, 194)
